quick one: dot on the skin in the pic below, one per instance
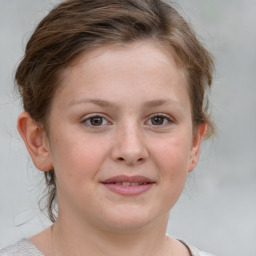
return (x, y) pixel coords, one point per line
(126, 87)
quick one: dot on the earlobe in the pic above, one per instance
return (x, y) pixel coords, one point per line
(195, 150)
(36, 142)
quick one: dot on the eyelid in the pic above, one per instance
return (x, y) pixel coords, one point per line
(169, 118)
(89, 116)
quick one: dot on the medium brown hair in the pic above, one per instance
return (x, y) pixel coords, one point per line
(76, 26)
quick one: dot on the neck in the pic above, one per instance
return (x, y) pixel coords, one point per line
(149, 240)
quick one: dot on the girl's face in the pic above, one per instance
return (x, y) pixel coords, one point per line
(120, 136)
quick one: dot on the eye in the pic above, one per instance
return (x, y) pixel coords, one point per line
(159, 120)
(95, 121)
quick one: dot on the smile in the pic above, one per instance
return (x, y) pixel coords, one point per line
(128, 185)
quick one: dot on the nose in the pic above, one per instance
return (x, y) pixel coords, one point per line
(129, 147)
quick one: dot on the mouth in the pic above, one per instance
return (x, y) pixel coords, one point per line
(128, 185)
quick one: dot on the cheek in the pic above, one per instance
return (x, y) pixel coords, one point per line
(172, 160)
(172, 155)
(76, 158)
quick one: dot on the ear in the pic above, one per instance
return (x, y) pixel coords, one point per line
(36, 142)
(195, 149)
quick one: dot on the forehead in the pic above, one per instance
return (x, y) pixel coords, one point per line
(153, 48)
(123, 67)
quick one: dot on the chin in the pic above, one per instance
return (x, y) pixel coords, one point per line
(130, 219)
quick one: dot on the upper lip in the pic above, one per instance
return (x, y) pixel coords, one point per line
(131, 179)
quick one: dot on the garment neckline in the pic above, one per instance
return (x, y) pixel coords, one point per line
(33, 246)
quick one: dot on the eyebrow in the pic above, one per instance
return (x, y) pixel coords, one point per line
(99, 102)
(157, 103)
(147, 104)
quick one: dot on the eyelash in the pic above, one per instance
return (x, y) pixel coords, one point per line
(90, 118)
(166, 120)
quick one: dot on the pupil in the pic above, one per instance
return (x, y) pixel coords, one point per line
(157, 120)
(96, 121)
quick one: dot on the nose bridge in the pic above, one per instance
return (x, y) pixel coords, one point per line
(130, 147)
(132, 137)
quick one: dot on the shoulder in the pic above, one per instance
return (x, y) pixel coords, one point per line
(22, 248)
(194, 251)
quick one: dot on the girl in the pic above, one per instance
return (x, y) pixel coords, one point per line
(115, 113)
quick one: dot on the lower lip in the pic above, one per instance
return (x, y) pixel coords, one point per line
(129, 190)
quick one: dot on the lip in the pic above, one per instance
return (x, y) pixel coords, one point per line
(138, 184)
(131, 179)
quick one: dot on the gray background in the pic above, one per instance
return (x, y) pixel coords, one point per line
(217, 209)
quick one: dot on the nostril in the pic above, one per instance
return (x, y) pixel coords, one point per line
(121, 159)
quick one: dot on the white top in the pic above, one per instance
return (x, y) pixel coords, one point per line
(26, 248)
